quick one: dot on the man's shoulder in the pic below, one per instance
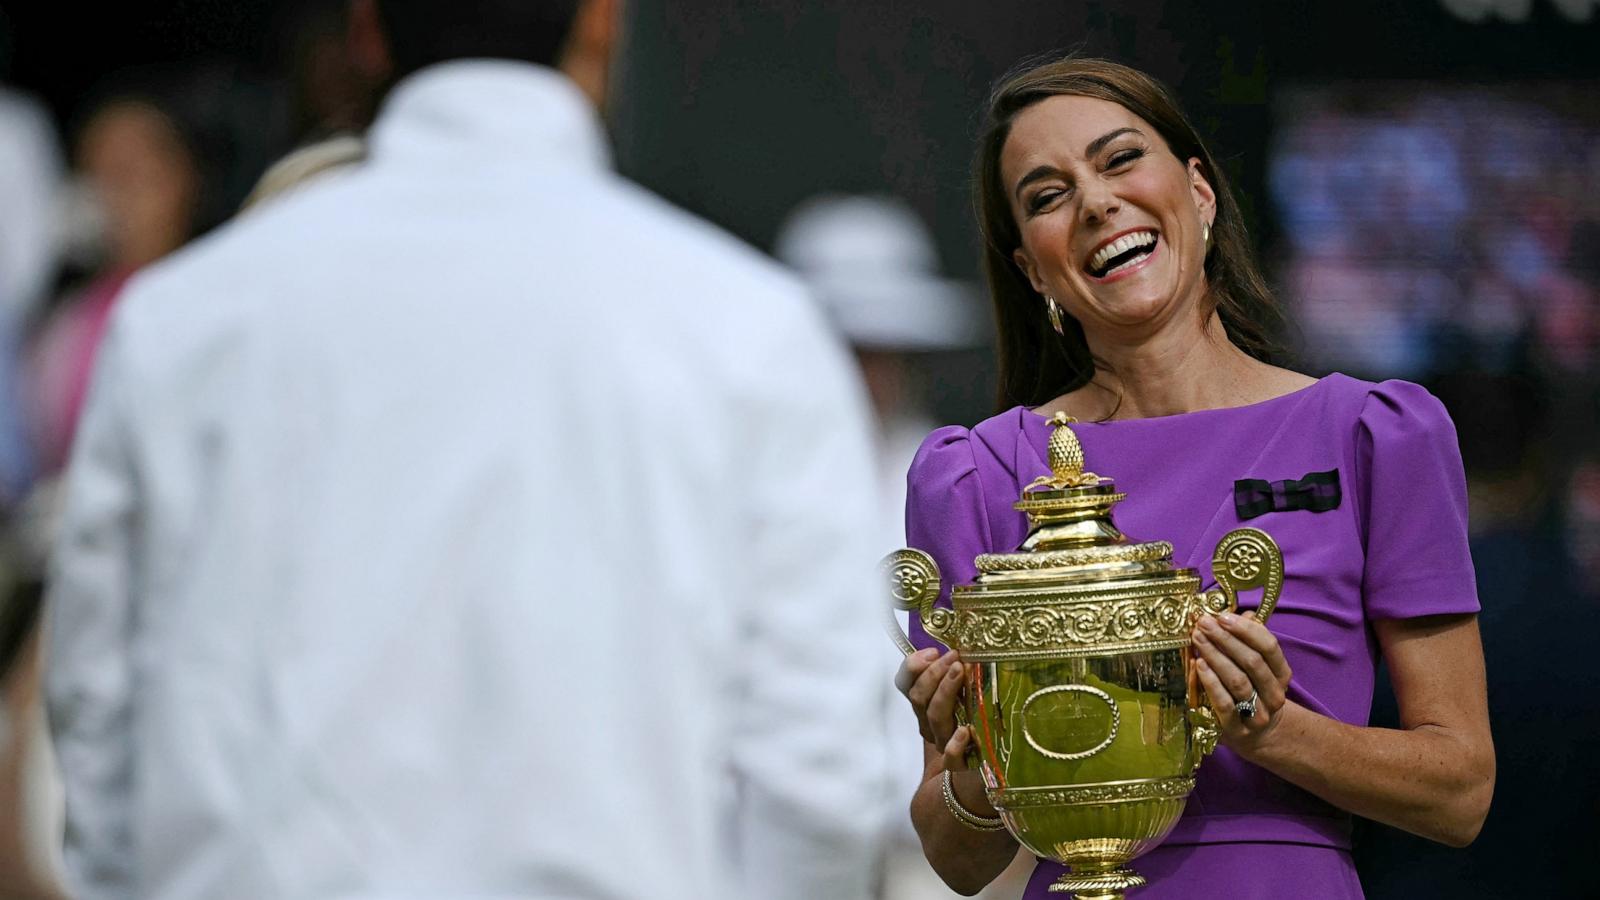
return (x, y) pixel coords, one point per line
(324, 246)
(210, 278)
(633, 223)
(659, 228)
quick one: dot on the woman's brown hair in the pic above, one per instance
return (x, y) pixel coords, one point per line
(1036, 364)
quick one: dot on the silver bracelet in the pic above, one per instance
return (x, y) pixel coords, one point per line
(966, 816)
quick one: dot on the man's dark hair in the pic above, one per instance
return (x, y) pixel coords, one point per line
(424, 32)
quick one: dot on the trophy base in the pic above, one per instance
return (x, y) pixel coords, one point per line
(1107, 885)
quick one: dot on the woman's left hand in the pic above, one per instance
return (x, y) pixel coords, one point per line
(1237, 657)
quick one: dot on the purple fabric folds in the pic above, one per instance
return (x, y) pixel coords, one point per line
(1395, 547)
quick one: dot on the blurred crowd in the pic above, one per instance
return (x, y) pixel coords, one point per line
(1449, 236)
(1425, 222)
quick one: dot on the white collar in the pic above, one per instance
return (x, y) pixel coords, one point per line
(489, 108)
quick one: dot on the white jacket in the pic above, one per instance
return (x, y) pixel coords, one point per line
(471, 524)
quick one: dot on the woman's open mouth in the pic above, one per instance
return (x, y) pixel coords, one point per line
(1122, 254)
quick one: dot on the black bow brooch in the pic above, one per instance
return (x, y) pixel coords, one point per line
(1317, 491)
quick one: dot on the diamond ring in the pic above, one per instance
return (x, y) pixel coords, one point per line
(1247, 708)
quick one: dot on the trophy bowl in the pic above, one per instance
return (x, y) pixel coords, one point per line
(1080, 685)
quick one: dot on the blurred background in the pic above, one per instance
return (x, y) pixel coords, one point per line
(1422, 179)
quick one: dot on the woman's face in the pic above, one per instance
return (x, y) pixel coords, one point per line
(1111, 221)
(145, 178)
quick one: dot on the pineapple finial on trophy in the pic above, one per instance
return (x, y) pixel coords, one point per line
(1066, 459)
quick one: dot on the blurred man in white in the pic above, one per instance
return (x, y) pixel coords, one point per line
(470, 524)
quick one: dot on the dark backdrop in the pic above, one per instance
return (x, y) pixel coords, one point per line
(739, 108)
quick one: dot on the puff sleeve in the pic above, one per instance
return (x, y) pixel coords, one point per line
(945, 515)
(1413, 496)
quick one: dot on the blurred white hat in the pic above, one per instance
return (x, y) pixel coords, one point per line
(873, 264)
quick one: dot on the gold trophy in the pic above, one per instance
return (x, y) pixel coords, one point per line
(1080, 688)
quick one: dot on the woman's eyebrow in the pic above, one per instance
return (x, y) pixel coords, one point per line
(1099, 143)
(1035, 174)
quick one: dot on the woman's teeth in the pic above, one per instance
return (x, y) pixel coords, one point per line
(1138, 245)
(1132, 261)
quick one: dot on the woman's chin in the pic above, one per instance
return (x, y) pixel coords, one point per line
(1139, 301)
(1132, 312)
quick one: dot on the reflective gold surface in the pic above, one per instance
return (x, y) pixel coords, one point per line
(1089, 723)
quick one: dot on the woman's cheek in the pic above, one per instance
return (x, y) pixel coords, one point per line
(1053, 246)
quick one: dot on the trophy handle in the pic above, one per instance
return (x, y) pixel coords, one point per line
(1248, 558)
(914, 585)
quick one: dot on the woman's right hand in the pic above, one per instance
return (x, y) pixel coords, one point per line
(933, 683)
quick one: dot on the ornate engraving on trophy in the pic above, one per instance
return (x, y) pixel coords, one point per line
(1070, 716)
(1244, 562)
(908, 581)
(1121, 792)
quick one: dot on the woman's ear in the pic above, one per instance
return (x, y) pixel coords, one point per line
(1026, 264)
(1205, 199)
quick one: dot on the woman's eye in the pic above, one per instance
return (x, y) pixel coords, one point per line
(1044, 198)
(1123, 157)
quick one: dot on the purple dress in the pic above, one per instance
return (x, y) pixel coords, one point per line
(1394, 546)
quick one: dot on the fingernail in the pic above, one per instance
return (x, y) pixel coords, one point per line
(1228, 618)
(928, 655)
(955, 670)
(1209, 624)
(1200, 638)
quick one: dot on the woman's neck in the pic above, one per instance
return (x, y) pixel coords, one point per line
(1176, 370)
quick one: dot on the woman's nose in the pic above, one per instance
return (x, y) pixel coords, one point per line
(1099, 204)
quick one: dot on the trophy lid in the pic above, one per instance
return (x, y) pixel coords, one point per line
(1071, 535)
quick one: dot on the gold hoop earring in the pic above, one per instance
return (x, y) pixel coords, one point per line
(1205, 234)
(1054, 312)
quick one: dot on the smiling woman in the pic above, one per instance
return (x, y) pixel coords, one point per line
(1084, 126)
(1126, 297)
